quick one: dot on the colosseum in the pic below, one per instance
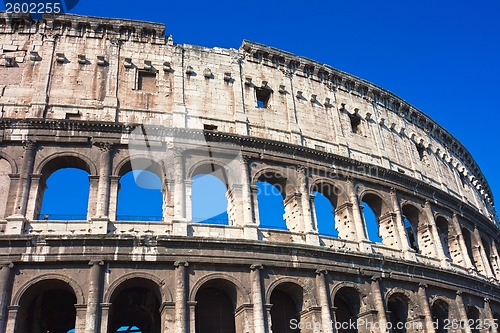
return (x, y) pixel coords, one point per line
(108, 97)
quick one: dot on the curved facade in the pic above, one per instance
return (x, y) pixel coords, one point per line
(108, 96)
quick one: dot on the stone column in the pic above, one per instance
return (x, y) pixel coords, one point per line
(80, 320)
(104, 316)
(403, 239)
(358, 219)
(462, 311)
(5, 280)
(15, 223)
(482, 253)
(11, 318)
(465, 254)
(93, 296)
(249, 222)
(192, 317)
(438, 245)
(181, 314)
(312, 236)
(179, 221)
(379, 303)
(322, 289)
(488, 314)
(258, 309)
(103, 188)
(25, 177)
(113, 197)
(254, 189)
(424, 304)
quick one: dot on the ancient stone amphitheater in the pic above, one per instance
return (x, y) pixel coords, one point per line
(108, 96)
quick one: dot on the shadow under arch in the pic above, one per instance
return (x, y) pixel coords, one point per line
(241, 295)
(135, 302)
(216, 296)
(347, 301)
(287, 301)
(47, 305)
(165, 294)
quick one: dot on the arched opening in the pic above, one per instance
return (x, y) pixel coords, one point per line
(215, 308)
(398, 308)
(444, 235)
(347, 305)
(58, 201)
(487, 250)
(474, 319)
(209, 203)
(440, 315)
(468, 244)
(373, 209)
(271, 207)
(411, 216)
(140, 196)
(135, 307)
(286, 300)
(47, 306)
(5, 170)
(325, 215)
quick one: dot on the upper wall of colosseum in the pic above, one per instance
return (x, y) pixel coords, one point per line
(84, 68)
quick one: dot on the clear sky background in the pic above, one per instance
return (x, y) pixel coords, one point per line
(440, 56)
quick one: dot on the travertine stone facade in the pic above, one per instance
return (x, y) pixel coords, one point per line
(76, 91)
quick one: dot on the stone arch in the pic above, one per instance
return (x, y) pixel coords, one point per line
(242, 295)
(413, 308)
(51, 163)
(384, 223)
(346, 284)
(338, 192)
(77, 289)
(413, 219)
(208, 166)
(165, 294)
(277, 178)
(125, 165)
(291, 281)
(13, 165)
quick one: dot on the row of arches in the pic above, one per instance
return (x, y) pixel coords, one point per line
(49, 306)
(147, 195)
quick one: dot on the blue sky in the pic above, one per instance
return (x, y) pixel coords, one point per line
(440, 56)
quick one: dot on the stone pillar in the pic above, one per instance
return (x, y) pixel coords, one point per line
(104, 316)
(462, 311)
(254, 189)
(110, 102)
(192, 317)
(103, 188)
(93, 296)
(80, 320)
(403, 239)
(249, 222)
(25, 177)
(488, 314)
(113, 196)
(322, 291)
(179, 221)
(258, 309)
(424, 304)
(312, 236)
(379, 303)
(438, 245)
(5, 280)
(357, 216)
(181, 314)
(482, 254)
(465, 254)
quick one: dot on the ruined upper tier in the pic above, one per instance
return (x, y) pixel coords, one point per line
(111, 70)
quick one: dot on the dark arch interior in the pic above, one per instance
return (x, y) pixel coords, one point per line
(398, 312)
(214, 311)
(47, 306)
(474, 319)
(468, 244)
(347, 304)
(440, 313)
(411, 216)
(284, 312)
(444, 235)
(136, 303)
